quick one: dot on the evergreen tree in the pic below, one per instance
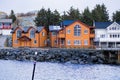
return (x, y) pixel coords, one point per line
(100, 13)
(87, 17)
(41, 18)
(72, 14)
(116, 16)
(12, 16)
(65, 16)
(49, 18)
(56, 17)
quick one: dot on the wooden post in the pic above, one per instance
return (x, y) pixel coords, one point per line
(118, 57)
(33, 70)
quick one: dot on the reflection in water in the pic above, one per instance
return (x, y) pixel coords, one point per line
(16, 70)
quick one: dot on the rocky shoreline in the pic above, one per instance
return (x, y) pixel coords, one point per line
(76, 56)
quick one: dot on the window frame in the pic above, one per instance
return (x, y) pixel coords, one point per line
(19, 33)
(85, 42)
(32, 33)
(77, 30)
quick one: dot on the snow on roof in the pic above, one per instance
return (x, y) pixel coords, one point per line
(54, 28)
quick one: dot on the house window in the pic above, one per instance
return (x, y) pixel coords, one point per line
(32, 33)
(115, 36)
(86, 31)
(85, 42)
(77, 30)
(53, 33)
(110, 28)
(77, 42)
(110, 36)
(118, 35)
(19, 33)
(43, 34)
(102, 36)
(68, 42)
(45, 42)
(35, 41)
(68, 31)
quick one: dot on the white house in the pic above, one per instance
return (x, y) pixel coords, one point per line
(5, 26)
(107, 35)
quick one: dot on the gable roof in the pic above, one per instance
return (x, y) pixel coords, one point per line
(26, 29)
(103, 25)
(66, 22)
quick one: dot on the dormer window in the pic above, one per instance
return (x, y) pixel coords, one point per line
(19, 33)
(32, 33)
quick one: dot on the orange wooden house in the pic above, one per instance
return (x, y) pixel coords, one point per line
(29, 37)
(71, 34)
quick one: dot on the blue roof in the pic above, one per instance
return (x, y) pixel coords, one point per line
(103, 25)
(66, 22)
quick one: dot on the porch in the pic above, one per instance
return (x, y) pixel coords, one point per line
(107, 45)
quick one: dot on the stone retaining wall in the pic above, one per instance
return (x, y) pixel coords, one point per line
(78, 56)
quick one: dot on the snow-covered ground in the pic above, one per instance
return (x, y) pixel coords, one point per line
(16, 70)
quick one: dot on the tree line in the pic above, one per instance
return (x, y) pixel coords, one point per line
(47, 17)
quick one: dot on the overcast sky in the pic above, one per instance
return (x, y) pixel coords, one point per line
(61, 5)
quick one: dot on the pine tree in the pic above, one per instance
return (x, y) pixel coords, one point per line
(12, 16)
(56, 17)
(72, 14)
(87, 17)
(100, 13)
(41, 19)
(116, 16)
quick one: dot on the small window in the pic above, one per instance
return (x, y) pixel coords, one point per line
(85, 42)
(115, 36)
(53, 33)
(110, 36)
(118, 35)
(68, 31)
(86, 31)
(68, 42)
(43, 34)
(32, 33)
(19, 33)
(77, 42)
(35, 41)
(102, 36)
(45, 42)
(110, 28)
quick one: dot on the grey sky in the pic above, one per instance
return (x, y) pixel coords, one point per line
(61, 5)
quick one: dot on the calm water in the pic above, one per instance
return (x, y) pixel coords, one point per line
(16, 70)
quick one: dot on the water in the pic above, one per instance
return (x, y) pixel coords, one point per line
(17, 70)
